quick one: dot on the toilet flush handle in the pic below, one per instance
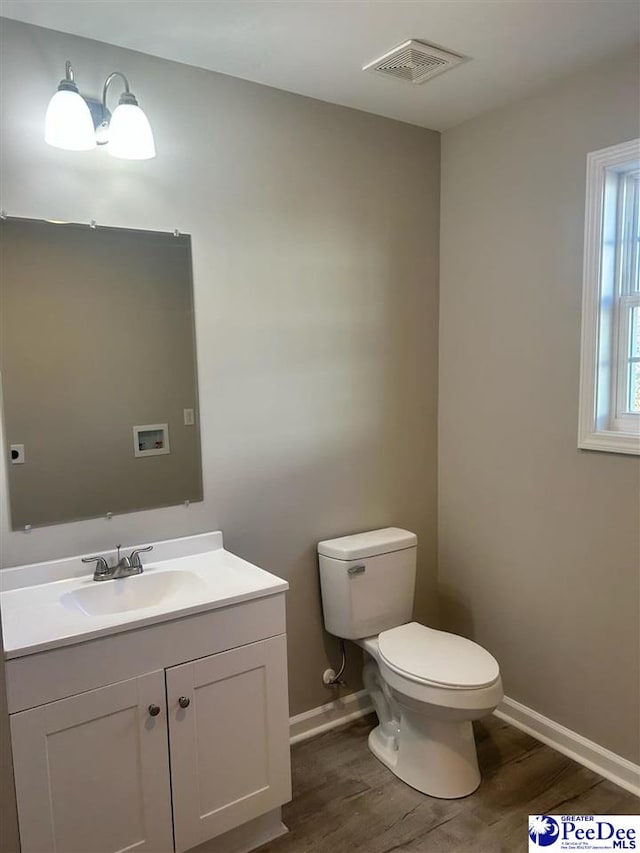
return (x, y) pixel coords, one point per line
(356, 570)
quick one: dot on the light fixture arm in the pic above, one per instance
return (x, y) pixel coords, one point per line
(69, 83)
(127, 97)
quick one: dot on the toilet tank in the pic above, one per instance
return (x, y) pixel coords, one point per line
(367, 581)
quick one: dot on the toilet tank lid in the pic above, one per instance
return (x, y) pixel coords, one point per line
(370, 544)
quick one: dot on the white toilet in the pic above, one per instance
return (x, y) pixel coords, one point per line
(426, 685)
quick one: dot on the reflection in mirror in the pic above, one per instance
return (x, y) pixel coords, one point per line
(98, 371)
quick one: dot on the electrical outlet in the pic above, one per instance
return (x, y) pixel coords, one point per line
(189, 418)
(17, 454)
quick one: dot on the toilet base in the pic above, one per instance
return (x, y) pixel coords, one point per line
(436, 757)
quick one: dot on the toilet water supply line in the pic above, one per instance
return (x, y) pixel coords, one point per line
(334, 679)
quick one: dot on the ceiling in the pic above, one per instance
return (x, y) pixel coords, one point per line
(317, 47)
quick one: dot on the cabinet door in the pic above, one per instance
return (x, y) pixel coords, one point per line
(230, 744)
(92, 771)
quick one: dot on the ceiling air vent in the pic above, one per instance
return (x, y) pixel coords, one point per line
(414, 61)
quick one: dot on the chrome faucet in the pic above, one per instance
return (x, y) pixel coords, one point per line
(124, 567)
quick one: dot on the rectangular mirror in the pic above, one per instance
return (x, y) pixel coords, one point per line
(98, 371)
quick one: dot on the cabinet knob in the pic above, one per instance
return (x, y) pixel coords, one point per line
(184, 702)
(154, 710)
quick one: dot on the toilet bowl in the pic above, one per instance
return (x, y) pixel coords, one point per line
(425, 733)
(426, 686)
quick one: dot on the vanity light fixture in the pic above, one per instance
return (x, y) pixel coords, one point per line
(78, 123)
(68, 123)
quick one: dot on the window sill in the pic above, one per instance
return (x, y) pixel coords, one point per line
(609, 441)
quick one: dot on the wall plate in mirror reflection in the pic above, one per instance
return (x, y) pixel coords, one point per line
(16, 453)
(96, 336)
(151, 440)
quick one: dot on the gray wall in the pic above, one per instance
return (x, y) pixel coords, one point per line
(315, 251)
(539, 549)
(96, 336)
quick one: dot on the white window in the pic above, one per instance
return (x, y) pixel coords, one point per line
(610, 367)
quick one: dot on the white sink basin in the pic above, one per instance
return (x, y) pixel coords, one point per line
(53, 604)
(133, 593)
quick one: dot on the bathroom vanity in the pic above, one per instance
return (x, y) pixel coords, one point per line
(148, 713)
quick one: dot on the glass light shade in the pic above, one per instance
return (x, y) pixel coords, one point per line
(68, 123)
(130, 136)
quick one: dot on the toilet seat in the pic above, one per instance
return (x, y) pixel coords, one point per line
(437, 658)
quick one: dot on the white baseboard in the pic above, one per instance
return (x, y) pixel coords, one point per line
(329, 716)
(613, 767)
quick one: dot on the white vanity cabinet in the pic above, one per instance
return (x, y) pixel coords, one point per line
(95, 766)
(177, 747)
(230, 745)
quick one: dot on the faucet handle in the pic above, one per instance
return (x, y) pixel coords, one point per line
(134, 556)
(102, 567)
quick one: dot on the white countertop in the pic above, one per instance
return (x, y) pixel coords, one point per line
(42, 605)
